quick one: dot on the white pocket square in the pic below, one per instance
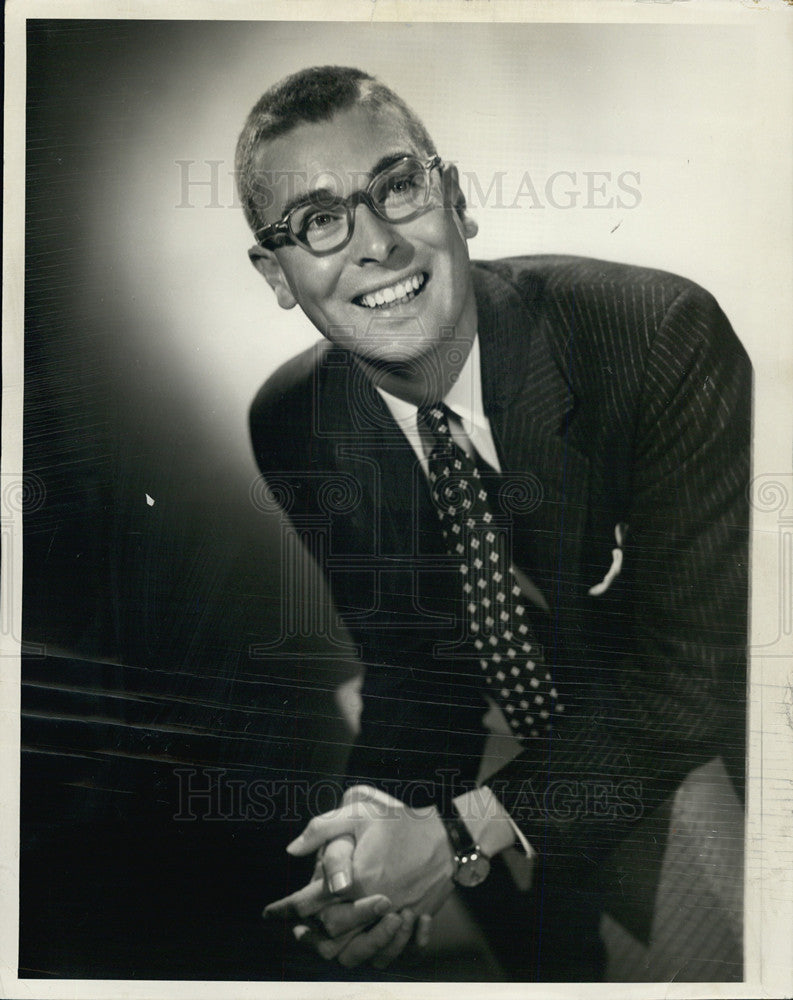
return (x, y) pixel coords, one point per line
(620, 534)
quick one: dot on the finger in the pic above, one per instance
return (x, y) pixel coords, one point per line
(366, 793)
(319, 871)
(423, 930)
(323, 828)
(337, 864)
(310, 937)
(364, 946)
(340, 918)
(398, 941)
(329, 948)
(301, 904)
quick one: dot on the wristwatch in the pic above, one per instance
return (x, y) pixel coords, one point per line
(472, 865)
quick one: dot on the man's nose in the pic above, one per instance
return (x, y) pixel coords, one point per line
(373, 238)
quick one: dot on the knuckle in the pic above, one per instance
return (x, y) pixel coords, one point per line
(354, 791)
(302, 908)
(387, 928)
(342, 846)
(330, 856)
(326, 949)
(357, 798)
(330, 923)
(349, 959)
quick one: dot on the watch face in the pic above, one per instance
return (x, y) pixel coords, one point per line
(472, 869)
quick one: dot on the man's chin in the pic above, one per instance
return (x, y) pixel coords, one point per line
(401, 358)
(412, 374)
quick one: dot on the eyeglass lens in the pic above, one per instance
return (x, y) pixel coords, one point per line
(398, 193)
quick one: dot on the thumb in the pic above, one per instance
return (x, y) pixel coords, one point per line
(320, 830)
(337, 863)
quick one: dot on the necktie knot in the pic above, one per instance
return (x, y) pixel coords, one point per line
(435, 418)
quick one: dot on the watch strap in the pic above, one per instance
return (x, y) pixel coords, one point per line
(459, 836)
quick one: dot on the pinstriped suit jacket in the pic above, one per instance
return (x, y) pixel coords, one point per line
(615, 395)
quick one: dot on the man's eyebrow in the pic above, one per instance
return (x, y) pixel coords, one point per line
(324, 195)
(387, 161)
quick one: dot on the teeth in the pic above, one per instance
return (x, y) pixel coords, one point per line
(402, 290)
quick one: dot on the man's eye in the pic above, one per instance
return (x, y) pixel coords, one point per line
(320, 221)
(404, 184)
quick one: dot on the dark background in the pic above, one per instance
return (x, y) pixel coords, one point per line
(138, 619)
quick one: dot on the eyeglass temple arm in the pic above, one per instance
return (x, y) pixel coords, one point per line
(274, 235)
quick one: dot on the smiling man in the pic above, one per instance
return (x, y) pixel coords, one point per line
(531, 478)
(390, 295)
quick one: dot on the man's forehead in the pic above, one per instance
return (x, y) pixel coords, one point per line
(336, 155)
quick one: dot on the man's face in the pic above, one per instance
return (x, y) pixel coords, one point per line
(335, 291)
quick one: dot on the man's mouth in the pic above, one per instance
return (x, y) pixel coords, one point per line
(393, 295)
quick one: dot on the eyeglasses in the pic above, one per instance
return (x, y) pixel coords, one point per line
(324, 224)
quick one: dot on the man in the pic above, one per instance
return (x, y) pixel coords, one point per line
(530, 478)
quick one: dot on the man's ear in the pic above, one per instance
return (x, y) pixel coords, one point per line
(454, 198)
(266, 263)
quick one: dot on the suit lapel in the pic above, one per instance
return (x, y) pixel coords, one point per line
(531, 407)
(367, 441)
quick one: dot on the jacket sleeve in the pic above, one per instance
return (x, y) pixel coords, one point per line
(678, 698)
(314, 654)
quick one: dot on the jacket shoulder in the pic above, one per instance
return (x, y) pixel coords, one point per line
(293, 377)
(279, 417)
(563, 278)
(596, 305)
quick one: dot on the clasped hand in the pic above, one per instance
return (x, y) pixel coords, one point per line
(383, 868)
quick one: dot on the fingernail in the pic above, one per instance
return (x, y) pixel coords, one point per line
(382, 906)
(339, 881)
(393, 921)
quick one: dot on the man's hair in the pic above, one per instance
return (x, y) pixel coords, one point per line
(312, 95)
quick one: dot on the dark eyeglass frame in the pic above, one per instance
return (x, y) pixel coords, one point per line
(279, 234)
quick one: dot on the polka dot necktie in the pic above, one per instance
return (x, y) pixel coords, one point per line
(498, 626)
